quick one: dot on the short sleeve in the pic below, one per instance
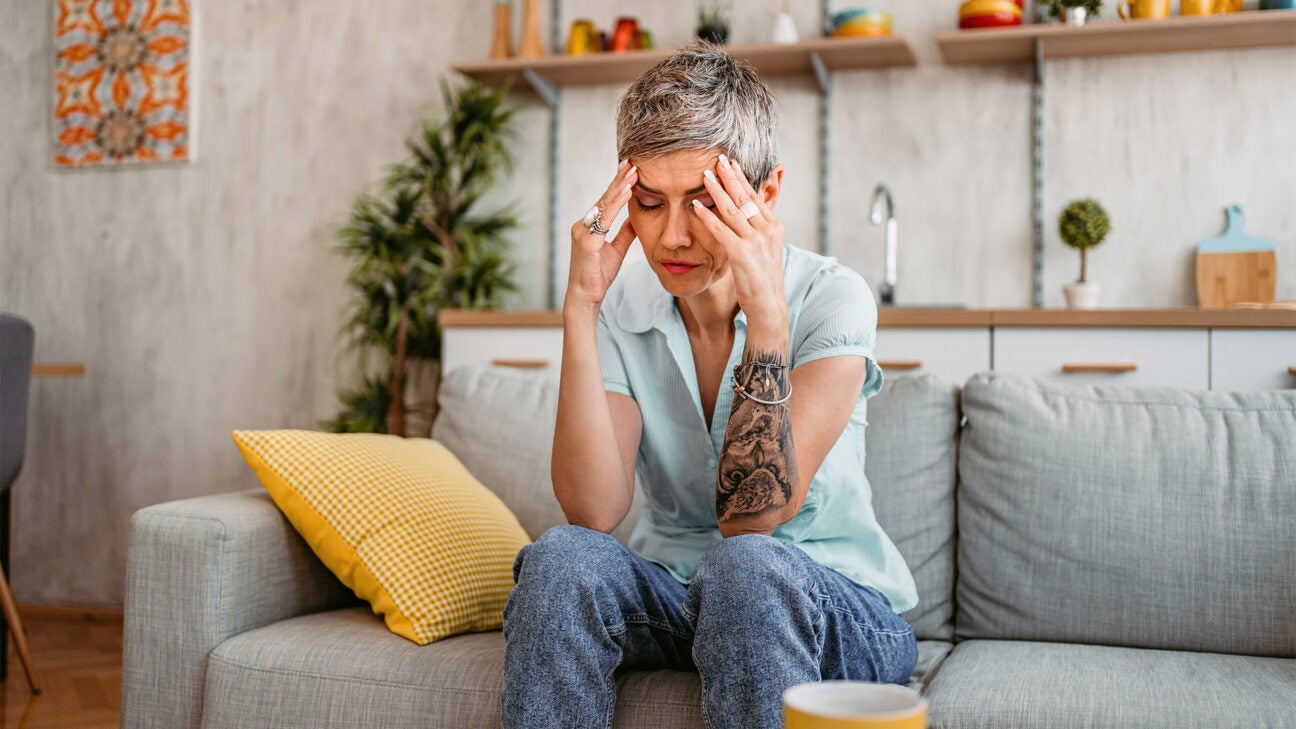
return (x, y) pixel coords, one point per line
(838, 317)
(615, 377)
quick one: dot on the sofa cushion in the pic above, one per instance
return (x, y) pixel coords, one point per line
(911, 445)
(342, 669)
(499, 421)
(1139, 517)
(988, 684)
(398, 520)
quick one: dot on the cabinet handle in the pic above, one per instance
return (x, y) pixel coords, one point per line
(913, 364)
(1108, 368)
(525, 364)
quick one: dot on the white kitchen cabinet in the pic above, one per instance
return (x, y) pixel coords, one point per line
(533, 348)
(1245, 360)
(952, 353)
(1108, 356)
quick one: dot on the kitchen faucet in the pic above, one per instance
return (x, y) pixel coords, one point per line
(880, 195)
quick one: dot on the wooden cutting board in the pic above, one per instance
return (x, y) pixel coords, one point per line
(1234, 267)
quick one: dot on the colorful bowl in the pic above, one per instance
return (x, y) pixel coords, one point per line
(989, 7)
(989, 14)
(990, 20)
(861, 22)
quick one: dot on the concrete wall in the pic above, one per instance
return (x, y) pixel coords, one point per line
(205, 297)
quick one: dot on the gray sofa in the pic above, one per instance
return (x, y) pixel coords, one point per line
(1085, 557)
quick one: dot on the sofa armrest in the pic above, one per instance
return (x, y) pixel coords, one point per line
(200, 571)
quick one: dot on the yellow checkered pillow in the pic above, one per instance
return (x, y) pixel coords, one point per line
(400, 521)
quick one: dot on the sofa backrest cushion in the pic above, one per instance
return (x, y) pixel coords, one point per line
(1154, 518)
(911, 445)
(499, 422)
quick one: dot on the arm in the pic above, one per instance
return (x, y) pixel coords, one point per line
(596, 435)
(597, 432)
(771, 451)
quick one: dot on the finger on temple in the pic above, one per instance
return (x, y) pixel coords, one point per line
(756, 197)
(729, 213)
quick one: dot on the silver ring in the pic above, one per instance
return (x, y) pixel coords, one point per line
(749, 210)
(593, 220)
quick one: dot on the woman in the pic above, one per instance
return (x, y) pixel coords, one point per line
(730, 371)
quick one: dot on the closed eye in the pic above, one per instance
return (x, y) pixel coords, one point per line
(647, 207)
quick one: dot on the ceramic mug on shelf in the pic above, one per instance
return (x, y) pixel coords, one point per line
(1144, 9)
(853, 705)
(1205, 7)
(1277, 4)
(584, 38)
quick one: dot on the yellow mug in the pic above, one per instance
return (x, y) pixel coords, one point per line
(853, 705)
(1144, 9)
(1205, 7)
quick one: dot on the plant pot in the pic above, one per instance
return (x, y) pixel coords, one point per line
(1075, 16)
(785, 30)
(717, 34)
(1082, 295)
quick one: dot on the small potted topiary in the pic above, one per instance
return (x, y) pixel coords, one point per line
(713, 21)
(1083, 225)
(1074, 12)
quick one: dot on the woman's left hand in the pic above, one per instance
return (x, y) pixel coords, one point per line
(754, 245)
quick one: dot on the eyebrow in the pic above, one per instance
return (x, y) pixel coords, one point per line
(651, 191)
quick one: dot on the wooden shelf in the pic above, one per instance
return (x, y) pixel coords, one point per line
(1250, 29)
(837, 54)
(1176, 318)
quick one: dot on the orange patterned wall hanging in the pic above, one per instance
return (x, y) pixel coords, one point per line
(121, 82)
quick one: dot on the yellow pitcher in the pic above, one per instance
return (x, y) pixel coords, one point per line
(1144, 9)
(1208, 7)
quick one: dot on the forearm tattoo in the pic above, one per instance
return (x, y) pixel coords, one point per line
(758, 469)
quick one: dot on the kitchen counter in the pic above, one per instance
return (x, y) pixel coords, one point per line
(1180, 318)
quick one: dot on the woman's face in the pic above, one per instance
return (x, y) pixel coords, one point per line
(685, 256)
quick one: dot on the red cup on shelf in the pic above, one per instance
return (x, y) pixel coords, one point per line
(626, 35)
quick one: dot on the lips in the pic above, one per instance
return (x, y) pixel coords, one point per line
(679, 267)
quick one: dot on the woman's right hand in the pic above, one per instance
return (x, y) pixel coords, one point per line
(594, 260)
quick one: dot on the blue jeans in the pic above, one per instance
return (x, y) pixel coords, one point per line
(758, 617)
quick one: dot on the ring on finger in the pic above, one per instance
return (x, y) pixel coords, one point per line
(749, 210)
(594, 221)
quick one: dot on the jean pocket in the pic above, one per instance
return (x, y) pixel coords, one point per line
(895, 654)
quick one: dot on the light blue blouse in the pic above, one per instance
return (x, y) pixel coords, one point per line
(645, 353)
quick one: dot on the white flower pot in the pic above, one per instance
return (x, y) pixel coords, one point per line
(1082, 295)
(785, 30)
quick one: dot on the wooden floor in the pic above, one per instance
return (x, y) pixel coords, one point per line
(78, 657)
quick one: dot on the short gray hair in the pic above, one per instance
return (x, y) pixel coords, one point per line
(701, 98)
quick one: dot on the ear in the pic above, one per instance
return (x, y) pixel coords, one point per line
(769, 189)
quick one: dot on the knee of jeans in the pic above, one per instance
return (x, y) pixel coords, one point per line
(563, 559)
(748, 564)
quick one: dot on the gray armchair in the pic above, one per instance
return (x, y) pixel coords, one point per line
(17, 341)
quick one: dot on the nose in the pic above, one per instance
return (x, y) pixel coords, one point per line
(676, 233)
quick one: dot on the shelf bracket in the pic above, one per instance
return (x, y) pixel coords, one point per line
(820, 71)
(1037, 178)
(543, 87)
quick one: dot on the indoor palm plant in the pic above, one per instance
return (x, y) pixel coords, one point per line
(1083, 225)
(419, 246)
